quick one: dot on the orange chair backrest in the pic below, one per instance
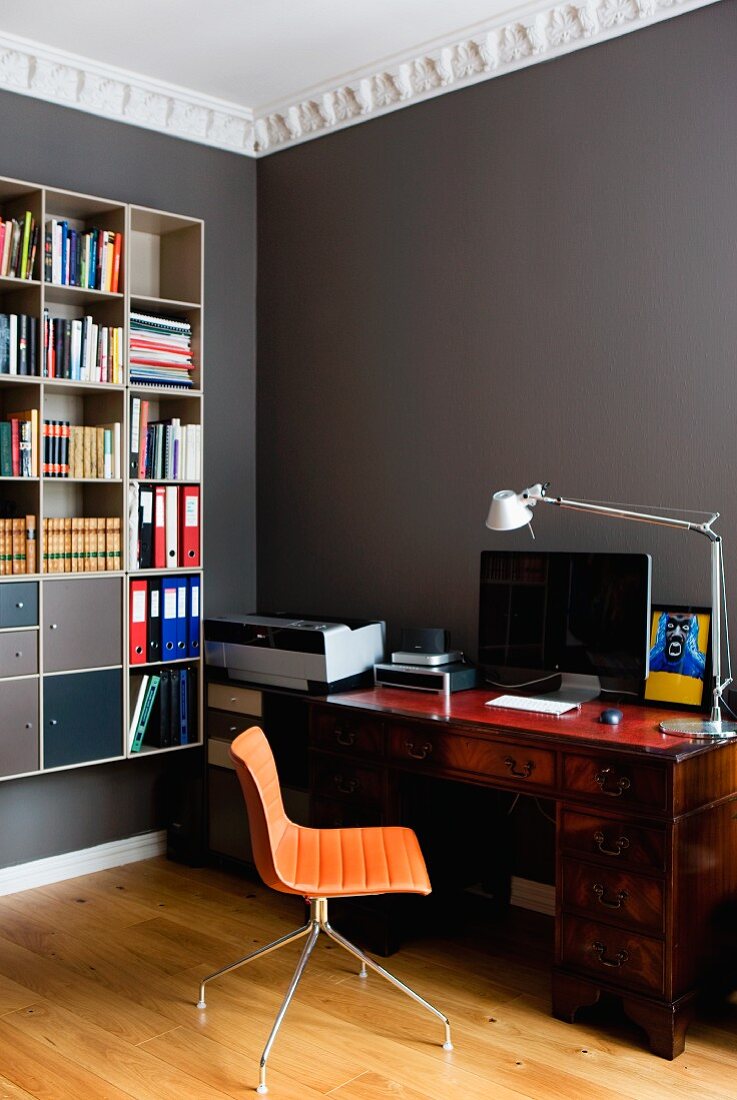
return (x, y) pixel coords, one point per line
(256, 770)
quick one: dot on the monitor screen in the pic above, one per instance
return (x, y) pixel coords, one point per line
(583, 614)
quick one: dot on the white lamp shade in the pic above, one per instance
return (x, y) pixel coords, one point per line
(507, 511)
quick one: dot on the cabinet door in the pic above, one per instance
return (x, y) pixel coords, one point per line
(18, 653)
(19, 604)
(82, 717)
(19, 727)
(82, 624)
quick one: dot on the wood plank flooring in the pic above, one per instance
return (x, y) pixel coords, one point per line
(99, 975)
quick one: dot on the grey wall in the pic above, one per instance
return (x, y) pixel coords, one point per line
(534, 278)
(50, 145)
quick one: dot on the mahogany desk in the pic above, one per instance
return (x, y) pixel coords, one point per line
(646, 828)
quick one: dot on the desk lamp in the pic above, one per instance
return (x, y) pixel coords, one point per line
(510, 510)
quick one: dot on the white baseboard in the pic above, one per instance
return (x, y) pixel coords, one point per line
(537, 896)
(42, 872)
(526, 894)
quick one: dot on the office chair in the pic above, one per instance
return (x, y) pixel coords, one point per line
(318, 864)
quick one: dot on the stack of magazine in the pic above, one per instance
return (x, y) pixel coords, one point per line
(160, 351)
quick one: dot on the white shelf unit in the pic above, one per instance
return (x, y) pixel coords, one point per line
(162, 264)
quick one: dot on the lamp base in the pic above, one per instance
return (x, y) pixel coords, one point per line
(700, 728)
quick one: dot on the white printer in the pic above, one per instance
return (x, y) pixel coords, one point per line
(317, 655)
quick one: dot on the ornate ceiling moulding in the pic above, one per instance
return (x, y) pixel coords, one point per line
(73, 81)
(491, 50)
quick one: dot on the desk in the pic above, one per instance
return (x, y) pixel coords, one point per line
(646, 828)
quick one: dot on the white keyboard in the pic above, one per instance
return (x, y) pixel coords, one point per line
(531, 705)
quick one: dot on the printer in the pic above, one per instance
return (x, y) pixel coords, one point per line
(317, 655)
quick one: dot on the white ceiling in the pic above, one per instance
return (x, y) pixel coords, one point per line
(255, 76)
(254, 53)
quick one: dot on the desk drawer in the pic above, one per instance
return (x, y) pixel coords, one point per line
(491, 759)
(331, 813)
(343, 780)
(347, 732)
(613, 955)
(226, 727)
(615, 841)
(238, 699)
(620, 896)
(605, 780)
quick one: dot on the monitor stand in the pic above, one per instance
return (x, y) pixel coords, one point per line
(576, 688)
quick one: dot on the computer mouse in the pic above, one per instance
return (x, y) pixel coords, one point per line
(611, 716)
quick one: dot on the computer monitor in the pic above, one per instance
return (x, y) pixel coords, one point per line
(583, 617)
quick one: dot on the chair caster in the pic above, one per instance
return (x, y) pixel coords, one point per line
(363, 973)
(448, 1046)
(201, 1004)
(261, 1089)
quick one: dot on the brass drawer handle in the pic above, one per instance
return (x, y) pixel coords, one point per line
(620, 844)
(619, 959)
(621, 897)
(421, 753)
(524, 773)
(620, 786)
(346, 786)
(345, 738)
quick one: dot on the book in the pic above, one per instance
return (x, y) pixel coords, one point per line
(145, 714)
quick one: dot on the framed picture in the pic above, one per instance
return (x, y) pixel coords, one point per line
(680, 657)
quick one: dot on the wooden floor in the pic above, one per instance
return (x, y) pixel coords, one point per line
(99, 975)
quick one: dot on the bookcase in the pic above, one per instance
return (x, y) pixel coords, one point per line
(67, 682)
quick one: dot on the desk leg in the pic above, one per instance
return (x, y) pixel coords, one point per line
(665, 1025)
(570, 994)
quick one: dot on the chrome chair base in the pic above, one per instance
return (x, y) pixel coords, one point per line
(317, 923)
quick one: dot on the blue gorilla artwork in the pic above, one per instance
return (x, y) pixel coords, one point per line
(676, 647)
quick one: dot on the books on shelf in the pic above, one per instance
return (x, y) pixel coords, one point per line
(163, 450)
(18, 344)
(19, 444)
(77, 544)
(160, 351)
(71, 450)
(163, 526)
(18, 246)
(165, 710)
(86, 258)
(17, 545)
(81, 350)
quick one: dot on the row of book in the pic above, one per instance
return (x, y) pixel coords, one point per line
(71, 450)
(164, 619)
(18, 246)
(18, 344)
(164, 526)
(163, 449)
(165, 709)
(18, 447)
(82, 350)
(17, 545)
(160, 350)
(76, 544)
(88, 258)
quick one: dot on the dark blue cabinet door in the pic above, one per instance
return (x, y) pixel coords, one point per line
(82, 717)
(19, 604)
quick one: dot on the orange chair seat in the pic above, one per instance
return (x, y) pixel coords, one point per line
(320, 863)
(332, 863)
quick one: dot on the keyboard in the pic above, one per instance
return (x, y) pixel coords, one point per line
(532, 705)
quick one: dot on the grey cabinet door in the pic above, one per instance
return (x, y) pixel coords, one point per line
(18, 653)
(19, 604)
(19, 727)
(82, 624)
(82, 717)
